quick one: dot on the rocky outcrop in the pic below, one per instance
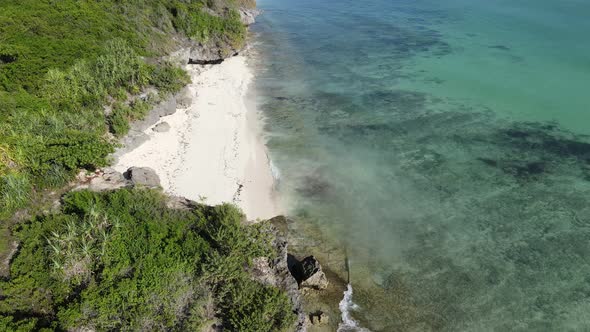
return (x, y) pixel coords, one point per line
(313, 276)
(308, 272)
(215, 51)
(210, 53)
(110, 179)
(142, 176)
(136, 135)
(180, 203)
(248, 16)
(101, 180)
(276, 272)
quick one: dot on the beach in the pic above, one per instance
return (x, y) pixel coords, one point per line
(214, 151)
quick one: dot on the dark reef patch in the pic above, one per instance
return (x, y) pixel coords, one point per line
(500, 47)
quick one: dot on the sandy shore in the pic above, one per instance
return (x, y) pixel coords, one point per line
(214, 151)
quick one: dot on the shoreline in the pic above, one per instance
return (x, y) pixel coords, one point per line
(213, 150)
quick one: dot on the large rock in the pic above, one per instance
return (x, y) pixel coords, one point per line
(143, 176)
(248, 16)
(210, 53)
(313, 276)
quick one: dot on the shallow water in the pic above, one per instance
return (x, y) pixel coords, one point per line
(444, 145)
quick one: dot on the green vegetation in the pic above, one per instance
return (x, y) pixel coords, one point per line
(123, 260)
(62, 62)
(65, 64)
(71, 72)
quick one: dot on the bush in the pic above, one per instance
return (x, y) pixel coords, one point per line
(123, 260)
(168, 78)
(71, 150)
(251, 307)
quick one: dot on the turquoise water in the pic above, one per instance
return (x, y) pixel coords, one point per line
(444, 145)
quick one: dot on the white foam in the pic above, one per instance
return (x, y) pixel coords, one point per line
(346, 305)
(276, 174)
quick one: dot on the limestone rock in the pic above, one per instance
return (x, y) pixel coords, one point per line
(161, 127)
(276, 272)
(129, 143)
(109, 179)
(143, 176)
(180, 203)
(99, 180)
(313, 276)
(166, 107)
(210, 53)
(248, 16)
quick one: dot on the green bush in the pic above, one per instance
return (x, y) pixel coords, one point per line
(123, 260)
(72, 150)
(168, 78)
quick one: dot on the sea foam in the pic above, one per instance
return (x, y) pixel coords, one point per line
(346, 305)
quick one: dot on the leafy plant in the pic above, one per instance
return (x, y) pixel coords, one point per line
(123, 260)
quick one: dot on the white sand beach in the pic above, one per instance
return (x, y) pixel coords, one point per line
(214, 151)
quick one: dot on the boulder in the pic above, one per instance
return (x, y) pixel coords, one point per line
(164, 108)
(309, 274)
(143, 176)
(161, 127)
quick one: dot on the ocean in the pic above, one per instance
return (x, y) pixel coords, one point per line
(444, 146)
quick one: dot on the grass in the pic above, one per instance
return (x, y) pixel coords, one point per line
(124, 260)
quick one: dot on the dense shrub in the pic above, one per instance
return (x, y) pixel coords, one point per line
(124, 260)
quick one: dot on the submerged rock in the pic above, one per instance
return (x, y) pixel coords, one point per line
(143, 176)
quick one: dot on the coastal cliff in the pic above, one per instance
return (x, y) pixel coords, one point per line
(85, 247)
